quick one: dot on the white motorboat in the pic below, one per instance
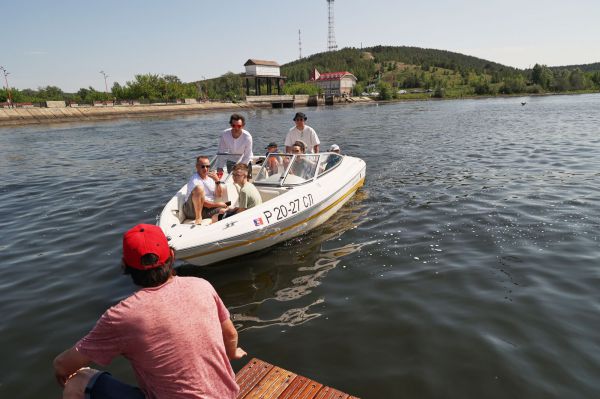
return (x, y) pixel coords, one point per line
(299, 193)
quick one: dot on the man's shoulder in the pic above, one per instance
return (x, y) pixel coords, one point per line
(226, 133)
(248, 187)
(194, 177)
(191, 281)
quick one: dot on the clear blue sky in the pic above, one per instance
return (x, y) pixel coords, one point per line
(66, 43)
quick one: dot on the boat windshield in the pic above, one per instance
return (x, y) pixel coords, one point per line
(223, 164)
(287, 169)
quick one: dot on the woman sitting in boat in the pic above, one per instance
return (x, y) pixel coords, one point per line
(303, 166)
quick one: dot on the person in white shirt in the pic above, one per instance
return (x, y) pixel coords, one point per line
(236, 140)
(203, 189)
(302, 132)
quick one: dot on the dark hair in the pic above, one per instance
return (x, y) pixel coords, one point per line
(199, 157)
(301, 145)
(151, 277)
(237, 117)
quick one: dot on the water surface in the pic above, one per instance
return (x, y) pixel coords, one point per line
(466, 266)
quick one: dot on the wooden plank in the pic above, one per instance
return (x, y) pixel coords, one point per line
(261, 380)
(250, 375)
(272, 385)
(301, 388)
(331, 393)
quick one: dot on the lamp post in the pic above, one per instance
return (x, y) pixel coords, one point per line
(6, 73)
(105, 84)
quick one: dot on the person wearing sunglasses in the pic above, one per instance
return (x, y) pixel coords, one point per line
(236, 140)
(202, 190)
(304, 133)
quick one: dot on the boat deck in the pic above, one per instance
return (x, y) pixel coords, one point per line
(259, 379)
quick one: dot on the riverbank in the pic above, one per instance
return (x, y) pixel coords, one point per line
(26, 116)
(35, 115)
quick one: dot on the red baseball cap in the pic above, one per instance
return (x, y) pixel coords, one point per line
(145, 239)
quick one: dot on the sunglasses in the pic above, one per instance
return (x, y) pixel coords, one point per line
(298, 120)
(232, 125)
(204, 166)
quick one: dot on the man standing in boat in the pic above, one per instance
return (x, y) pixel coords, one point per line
(202, 190)
(236, 140)
(175, 331)
(304, 133)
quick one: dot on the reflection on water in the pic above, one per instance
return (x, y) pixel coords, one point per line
(256, 285)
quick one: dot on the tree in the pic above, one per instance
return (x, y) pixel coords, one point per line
(385, 91)
(301, 88)
(577, 79)
(358, 88)
(542, 75)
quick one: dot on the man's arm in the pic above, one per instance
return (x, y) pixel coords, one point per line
(67, 363)
(316, 149)
(248, 152)
(230, 339)
(222, 146)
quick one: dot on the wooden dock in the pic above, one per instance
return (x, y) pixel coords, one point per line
(259, 379)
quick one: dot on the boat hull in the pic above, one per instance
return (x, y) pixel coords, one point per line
(286, 216)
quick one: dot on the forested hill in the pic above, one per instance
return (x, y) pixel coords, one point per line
(584, 67)
(392, 71)
(363, 63)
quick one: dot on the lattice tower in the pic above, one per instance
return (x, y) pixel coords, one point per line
(299, 45)
(331, 46)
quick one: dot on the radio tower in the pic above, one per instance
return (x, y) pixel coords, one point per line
(331, 46)
(299, 45)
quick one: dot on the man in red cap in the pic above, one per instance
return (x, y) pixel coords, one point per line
(175, 331)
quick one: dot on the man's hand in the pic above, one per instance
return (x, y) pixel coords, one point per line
(67, 363)
(239, 353)
(213, 175)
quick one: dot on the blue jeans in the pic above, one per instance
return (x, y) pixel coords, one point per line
(104, 386)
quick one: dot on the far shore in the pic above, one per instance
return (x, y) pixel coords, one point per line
(40, 116)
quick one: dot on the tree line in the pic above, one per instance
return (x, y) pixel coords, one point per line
(387, 70)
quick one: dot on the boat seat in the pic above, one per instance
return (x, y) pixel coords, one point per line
(268, 194)
(204, 222)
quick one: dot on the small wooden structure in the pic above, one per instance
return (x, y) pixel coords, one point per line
(260, 71)
(259, 379)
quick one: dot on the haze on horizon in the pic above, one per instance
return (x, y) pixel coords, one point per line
(68, 43)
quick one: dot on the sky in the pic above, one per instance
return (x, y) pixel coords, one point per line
(66, 43)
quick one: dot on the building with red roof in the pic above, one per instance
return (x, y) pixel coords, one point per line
(334, 83)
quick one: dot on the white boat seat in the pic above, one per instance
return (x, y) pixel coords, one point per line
(204, 222)
(268, 194)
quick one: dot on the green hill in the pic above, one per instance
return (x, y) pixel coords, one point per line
(445, 72)
(595, 67)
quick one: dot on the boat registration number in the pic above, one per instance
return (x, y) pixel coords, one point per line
(282, 211)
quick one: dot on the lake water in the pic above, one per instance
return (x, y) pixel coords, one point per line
(467, 267)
